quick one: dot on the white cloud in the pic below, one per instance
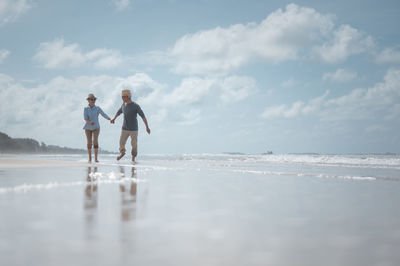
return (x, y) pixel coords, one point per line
(121, 4)
(346, 41)
(296, 109)
(277, 38)
(388, 55)
(3, 55)
(191, 117)
(194, 90)
(341, 75)
(236, 88)
(379, 102)
(56, 54)
(191, 90)
(58, 104)
(290, 34)
(11, 10)
(160, 115)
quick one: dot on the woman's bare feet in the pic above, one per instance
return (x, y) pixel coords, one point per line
(120, 156)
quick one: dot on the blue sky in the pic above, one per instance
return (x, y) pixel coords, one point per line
(211, 76)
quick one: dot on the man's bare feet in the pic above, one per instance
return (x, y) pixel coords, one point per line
(96, 161)
(120, 156)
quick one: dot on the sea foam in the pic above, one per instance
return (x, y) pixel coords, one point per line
(99, 178)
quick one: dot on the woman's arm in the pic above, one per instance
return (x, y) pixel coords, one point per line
(104, 114)
(116, 115)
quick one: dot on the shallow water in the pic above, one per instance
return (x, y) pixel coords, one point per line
(203, 210)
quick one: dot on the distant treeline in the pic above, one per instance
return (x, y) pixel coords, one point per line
(27, 145)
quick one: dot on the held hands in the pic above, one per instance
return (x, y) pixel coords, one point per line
(112, 121)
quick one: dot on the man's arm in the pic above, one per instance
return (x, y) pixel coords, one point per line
(146, 124)
(112, 121)
(140, 112)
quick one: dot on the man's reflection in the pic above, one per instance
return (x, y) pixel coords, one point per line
(128, 196)
(90, 203)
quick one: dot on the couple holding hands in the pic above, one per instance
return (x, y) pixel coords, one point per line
(129, 109)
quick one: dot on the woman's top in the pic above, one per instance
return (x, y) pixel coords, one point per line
(92, 114)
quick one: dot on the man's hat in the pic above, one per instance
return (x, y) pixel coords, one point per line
(126, 93)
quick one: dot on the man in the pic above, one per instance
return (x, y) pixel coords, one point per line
(130, 110)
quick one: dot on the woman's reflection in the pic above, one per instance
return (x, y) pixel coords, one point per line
(90, 203)
(128, 196)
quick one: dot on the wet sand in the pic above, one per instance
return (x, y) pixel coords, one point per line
(198, 211)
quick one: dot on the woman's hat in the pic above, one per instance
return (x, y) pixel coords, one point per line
(126, 93)
(91, 96)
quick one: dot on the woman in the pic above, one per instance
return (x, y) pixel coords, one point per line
(92, 126)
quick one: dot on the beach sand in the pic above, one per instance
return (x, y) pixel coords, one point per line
(200, 210)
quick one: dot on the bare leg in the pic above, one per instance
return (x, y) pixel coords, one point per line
(88, 134)
(96, 143)
(90, 155)
(120, 156)
(96, 152)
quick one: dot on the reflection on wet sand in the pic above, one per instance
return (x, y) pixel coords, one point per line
(128, 196)
(127, 186)
(90, 203)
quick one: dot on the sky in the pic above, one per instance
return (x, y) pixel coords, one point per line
(215, 76)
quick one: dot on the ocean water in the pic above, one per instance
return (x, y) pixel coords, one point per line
(203, 209)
